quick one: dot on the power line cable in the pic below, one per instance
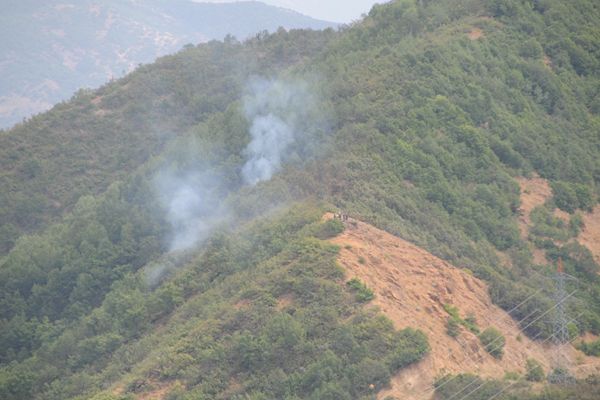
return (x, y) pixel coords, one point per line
(493, 349)
(430, 390)
(481, 385)
(501, 344)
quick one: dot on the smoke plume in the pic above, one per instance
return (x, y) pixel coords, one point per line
(279, 113)
(284, 128)
(193, 204)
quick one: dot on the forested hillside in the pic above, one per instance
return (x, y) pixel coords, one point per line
(84, 145)
(196, 265)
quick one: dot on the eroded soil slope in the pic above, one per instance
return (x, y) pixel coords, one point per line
(590, 235)
(535, 192)
(412, 286)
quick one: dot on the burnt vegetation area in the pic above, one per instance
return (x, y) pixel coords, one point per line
(429, 124)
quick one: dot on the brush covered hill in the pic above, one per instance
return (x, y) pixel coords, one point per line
(101, 136)
(430, 114)
(50, 49)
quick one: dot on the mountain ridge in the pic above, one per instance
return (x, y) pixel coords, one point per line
(86, 44)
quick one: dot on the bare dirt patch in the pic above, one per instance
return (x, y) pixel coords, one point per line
(242, 304)
(590, 235)
(475, 34)
(412, 286)
(157, 394)
(534, 192)
(285, 301)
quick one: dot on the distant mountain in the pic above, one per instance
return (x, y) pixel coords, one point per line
(49, 49)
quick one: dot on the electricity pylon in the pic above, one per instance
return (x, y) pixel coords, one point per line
(560, 374)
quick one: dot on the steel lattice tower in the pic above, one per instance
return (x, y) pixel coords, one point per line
(560, 374)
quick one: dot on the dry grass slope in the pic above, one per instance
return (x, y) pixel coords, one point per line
(412, 286)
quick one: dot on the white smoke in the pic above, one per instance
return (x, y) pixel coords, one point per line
(284, 123)
(193, 205)
(278, 112)
(154, 272)
(194, 208)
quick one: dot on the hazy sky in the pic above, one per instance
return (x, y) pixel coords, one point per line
(331, 10)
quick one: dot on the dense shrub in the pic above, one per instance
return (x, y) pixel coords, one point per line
(454, 321)
(534, 371)
(493, 342)
(329, 229)
(571, 196)
(363, 293)
(590, 348)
